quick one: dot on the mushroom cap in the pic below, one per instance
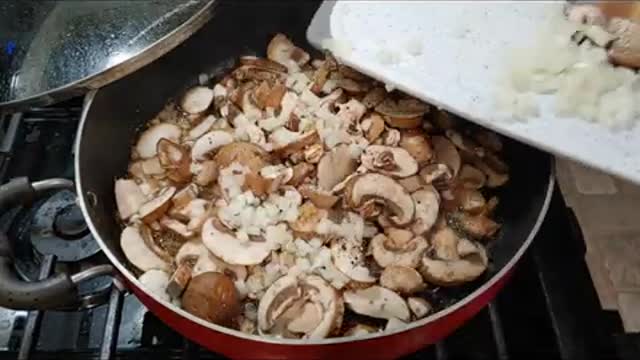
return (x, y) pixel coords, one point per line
(378, 302)
(308, 306)
(446, 153)
(402, 279)
(348, 257)
(387, 253)
(389, 160)
(197, 99)
(146, 147)
(212, 296)
(209, 142)
(335, 166)
(231, 250)
(138, 253)
(427, 204)
(386, 189)
(129, 197)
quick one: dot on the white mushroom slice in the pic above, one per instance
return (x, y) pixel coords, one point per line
(436, 174)
(138, 253)
(419, 306)
(309, 307)
(349, 258)
(402, 279)
(209, 142)
(445, 244)
(201, 128)
(153, 209)
(129, 198)
(387, 252)
(190, 251)
(335, 166)
(197, 99)
(156, 281)
(446, 153)
(146, 146)
(384, 188)
(152, 166)
(393, 324)
(390, 161)
(377, 302)
(176, 226)
(427, 203)
(232, 250)
(455, 272)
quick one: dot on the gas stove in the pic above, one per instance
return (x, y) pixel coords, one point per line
(549, 309)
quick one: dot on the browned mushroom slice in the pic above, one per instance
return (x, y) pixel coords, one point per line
(146, 147)
(390, 161)
(197, 99)
(471, 177)
(129, 197)
(301, 172)
(154, 209)
(373, 126)
(151, 166)
(352, 86)
(477, 226)
(387, 191)
(488, 139)
(177, 228)
(463, 143)
(335, 166)
(402, 279)
(308, 308)
(494, 177)
(319, 198)
(374, 97)
(175, 160)
(207, 173)
(404, 123)
(446, 153)
(267, 96)
(320, 77)
(456, 271)
(444, 120)
(299, 145)
(469, 200)
(283, 51)
(395, 249)
(309, 216)
(247, 74)
(244, 153)
(262, 63)
(402, 108)
(417, 145)
(179, 280)
(625, 50)
(427, 203)
(412, 183)
(439, 175)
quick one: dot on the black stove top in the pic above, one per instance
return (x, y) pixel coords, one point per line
(549, 309)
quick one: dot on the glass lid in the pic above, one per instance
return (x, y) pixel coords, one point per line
(52, 50)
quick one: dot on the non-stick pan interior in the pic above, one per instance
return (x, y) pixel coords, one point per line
(242, 28)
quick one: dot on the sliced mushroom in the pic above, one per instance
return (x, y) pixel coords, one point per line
(298, 145)
(402, 279)
(412, 183)
(454, 272)
(267, 96)
(184, 196)
(155, 208)
(205, 125)
(360, 329)
(207, 173)
(446, 153)
(378, 302)
(427, 204)
(388, 191)
(419, 306)
(348, 257)
(301, 172)
(464, 144)
(439, 175)
(151, 166)
(335, 166)
(373, 127)
(488, 139)
(210, 142)
(155, 281)
(179, 280)
(471, 177)
(307, 307)
(374, 97)
(625, 50)
(417, 145)
(263, 63)
(212, 296)
(197, 99)
(190, 251)
(319, 198)
(129, 197)
(445, 244)
(174, 160)
(402, 108)
(138, 253)
(477, 226)
(283, 51)
(309, 216)
(244, 153)
(389, 251)
(469, 200)
(390, 161)
(404, 123)
(230, 249)
(146, 147)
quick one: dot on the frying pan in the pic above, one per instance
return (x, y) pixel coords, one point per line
(113, 115)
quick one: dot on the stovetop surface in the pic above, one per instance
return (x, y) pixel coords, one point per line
(549, 309)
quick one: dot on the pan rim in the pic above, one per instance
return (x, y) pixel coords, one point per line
(463, 302)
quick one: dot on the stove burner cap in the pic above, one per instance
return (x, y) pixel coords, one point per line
(58, 228)
(69, 223)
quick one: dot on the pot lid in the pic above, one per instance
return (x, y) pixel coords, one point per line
(53, 50)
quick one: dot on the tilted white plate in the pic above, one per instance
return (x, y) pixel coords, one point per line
(462, 55)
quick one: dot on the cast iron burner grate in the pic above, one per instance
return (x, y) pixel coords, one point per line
(548, 310)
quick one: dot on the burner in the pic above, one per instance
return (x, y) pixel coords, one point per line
(58, 228)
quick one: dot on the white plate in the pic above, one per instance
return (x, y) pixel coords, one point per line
(462, 57)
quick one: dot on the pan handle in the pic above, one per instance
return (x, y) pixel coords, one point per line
(55, 292)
